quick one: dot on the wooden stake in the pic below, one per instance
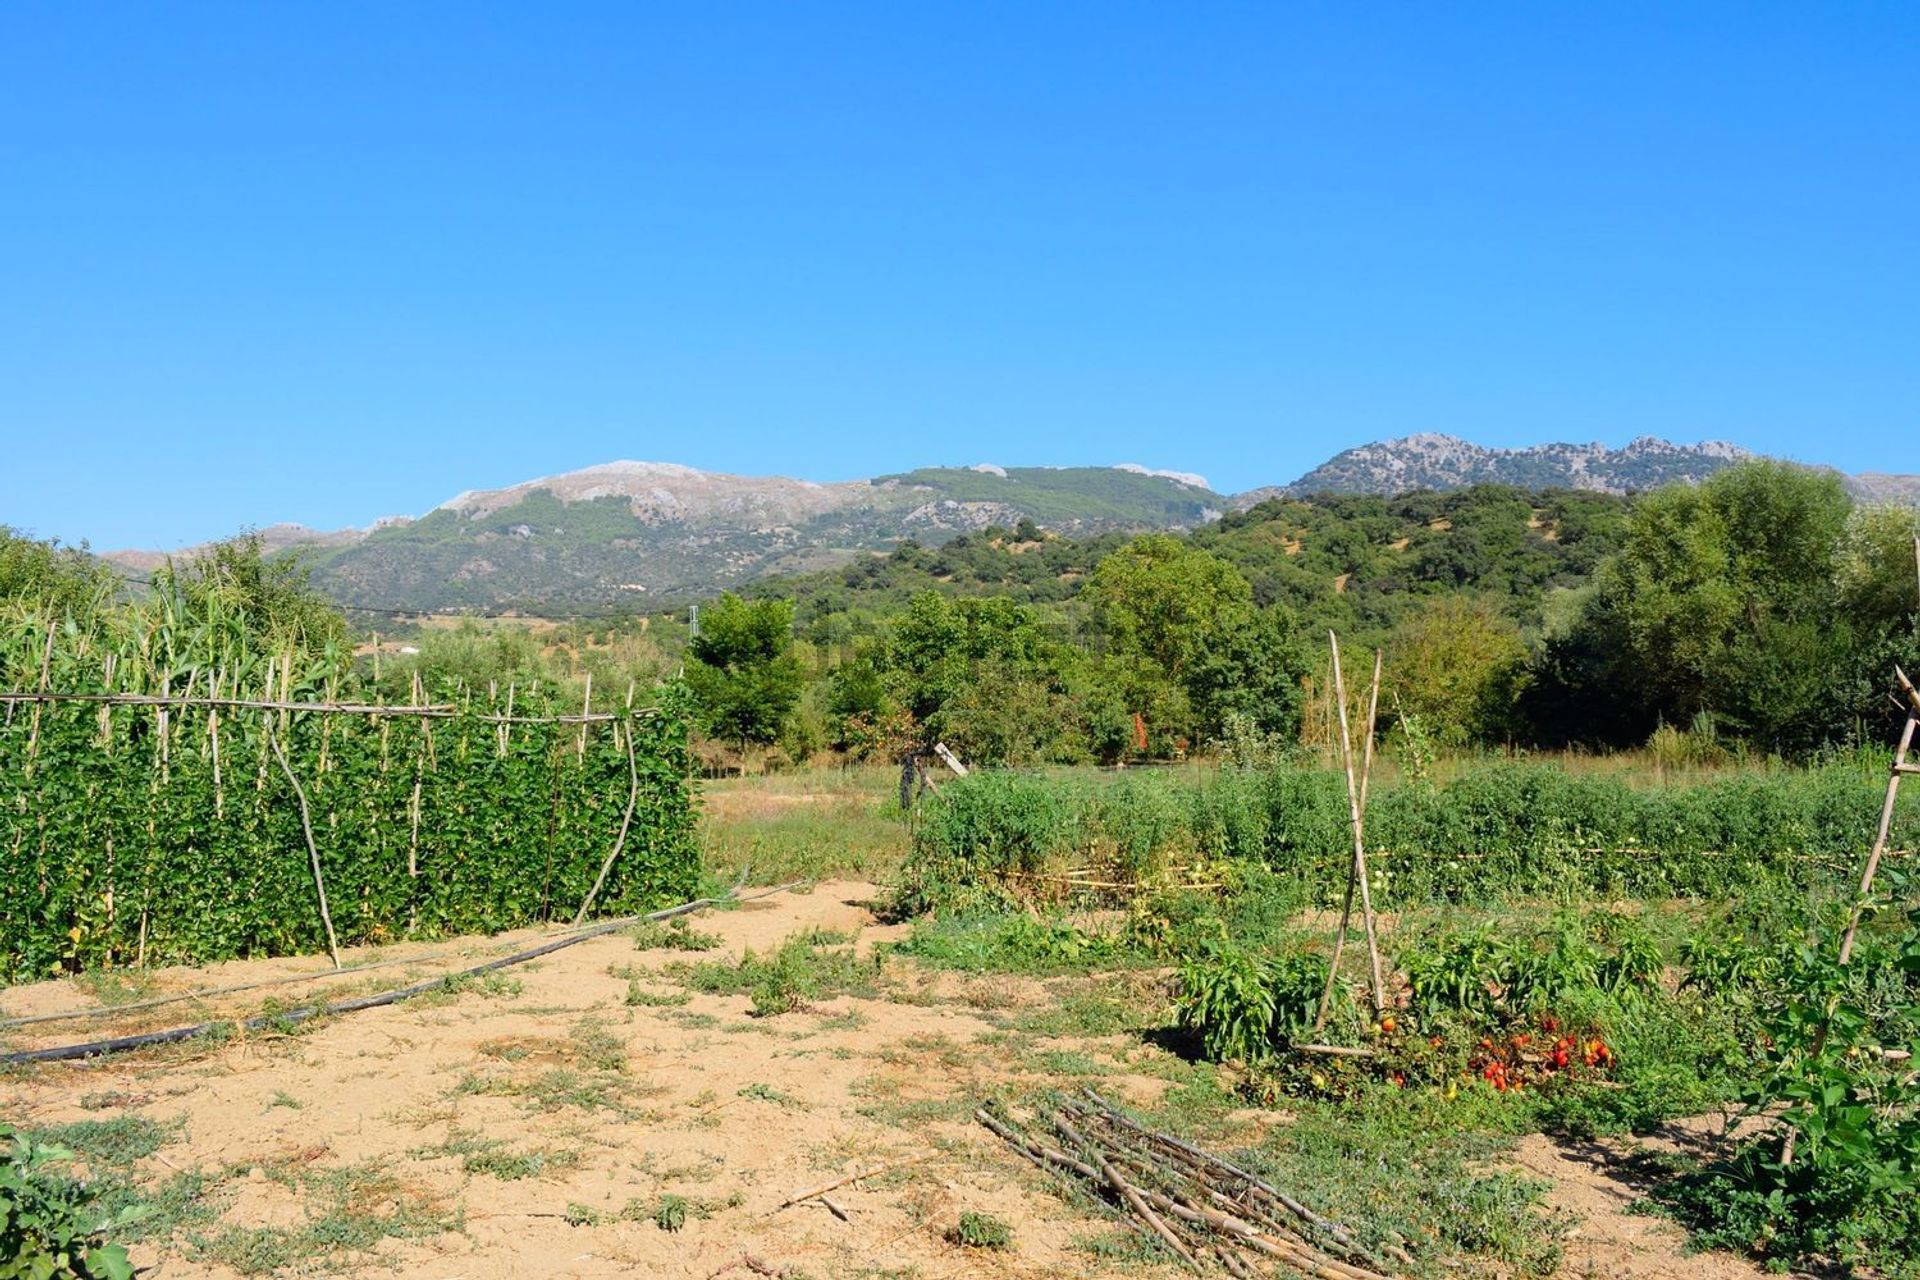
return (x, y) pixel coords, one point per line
(586, 709)
(842, 1181)
(1880, 839)
(1357, 870)
(213, 745)
(313, 850)
(626, 821)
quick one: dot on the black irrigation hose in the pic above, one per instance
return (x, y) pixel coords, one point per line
(145, 1040)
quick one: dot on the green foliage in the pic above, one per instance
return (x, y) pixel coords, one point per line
(670, 1213)
(806, 967)
(1457, 664)
(51, 578)
(176, 835)
(671, 935)
(977, 1230)
(1757, 598)
(1494, 831)
(742, 671)
(51, 1226)
(1187, 645)
(1245, 1005)
(1850, 1188)
(1007, 943)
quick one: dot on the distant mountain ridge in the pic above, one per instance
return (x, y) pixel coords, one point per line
(1432, 461)
(643, 533)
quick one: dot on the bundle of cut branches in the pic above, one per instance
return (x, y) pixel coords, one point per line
(1199, 1206)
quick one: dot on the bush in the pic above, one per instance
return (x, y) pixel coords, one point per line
(50, 1225)
(1245, 1005)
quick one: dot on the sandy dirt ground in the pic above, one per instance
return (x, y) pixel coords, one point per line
(544, 1126)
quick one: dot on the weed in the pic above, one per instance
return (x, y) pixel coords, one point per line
(108, 1144)
(981, 1231)
(353, 1209)
(671, 935)
(808, 966)
(639, 997)
(670, 1214)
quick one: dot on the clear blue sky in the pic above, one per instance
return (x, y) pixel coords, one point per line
(326, 262)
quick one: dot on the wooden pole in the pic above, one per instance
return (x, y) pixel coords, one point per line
(1880, 839)
(586, 709)
(620, 841)
(1360, 844)
(1357, 870)
(313, 850)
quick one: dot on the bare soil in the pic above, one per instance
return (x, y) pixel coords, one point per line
(538, 1127)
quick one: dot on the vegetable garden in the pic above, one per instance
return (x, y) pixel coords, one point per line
(1558, 952)
(205, 812)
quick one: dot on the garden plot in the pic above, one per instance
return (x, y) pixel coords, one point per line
(644, 1106)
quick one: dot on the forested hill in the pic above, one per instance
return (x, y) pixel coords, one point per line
(637, 533)
(1358, 563)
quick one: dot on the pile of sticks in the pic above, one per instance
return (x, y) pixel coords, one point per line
(1196, 1204)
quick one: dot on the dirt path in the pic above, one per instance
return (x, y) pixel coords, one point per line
(589, 1115)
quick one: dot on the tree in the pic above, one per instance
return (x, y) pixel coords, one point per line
(1720, 601)
(1455, 665)
(1187, 646)
(742, 669)
(1162, 598)
(46, 574)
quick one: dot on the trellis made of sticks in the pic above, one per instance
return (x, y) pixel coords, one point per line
(213, 822)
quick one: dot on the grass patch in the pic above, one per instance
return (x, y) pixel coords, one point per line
(671, 935)
(108, 1144)
(1008, 943)
(639, 997)
(981, 1231)
(808, 966)
(812, 825)
(352, 1210)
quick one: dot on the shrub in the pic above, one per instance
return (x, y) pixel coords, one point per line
(981, 1231)
(50, 1225)
(1244, 1005)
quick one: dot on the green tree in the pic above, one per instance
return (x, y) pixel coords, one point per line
(1455, 663)
(742, 669)
(1186, 645)
(1721, 601)
(60, 579)
(1163, 598)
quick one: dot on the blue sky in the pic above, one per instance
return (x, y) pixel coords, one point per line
(329, 262)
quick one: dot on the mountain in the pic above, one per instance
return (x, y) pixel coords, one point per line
(648, 532)
(1445, 462)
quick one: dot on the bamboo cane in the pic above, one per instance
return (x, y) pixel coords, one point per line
(1880, 838)
(313, 850)
(1357, 871)
(626, 821)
